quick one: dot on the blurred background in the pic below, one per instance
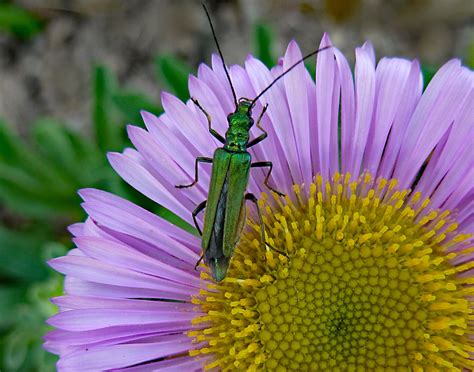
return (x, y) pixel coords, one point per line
(73, 73)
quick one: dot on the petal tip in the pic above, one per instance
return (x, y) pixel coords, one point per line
(325, 41)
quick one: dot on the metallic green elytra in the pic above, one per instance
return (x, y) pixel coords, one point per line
(225, 206)
(231, 164)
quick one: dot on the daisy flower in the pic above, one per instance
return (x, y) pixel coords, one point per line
(375, 224)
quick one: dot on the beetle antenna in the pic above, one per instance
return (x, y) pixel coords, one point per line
(220, 53)
(287, 71)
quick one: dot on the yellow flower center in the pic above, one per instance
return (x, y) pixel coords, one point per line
(368, 284)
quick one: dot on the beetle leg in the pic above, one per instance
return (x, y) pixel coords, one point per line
(199, 159)
(196, 211)
(264, 135)
(198, 262)
(261, 164)
(253, 199)
(219, 137)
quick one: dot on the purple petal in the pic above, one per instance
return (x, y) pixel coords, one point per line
(280, 118)
(171, 365)
(130, 210)
(444, 157)
(109, 335)
(327, 121)
(369, 49)
(181, 117)
(93, 302)
(89, 319)
(365, 95)
(121, 255)
(297, 97)
(461, 169)
(169, 138)
(79, 287)
(142, 229)
(166, 170)
(89, 269)
(138, 177)
(347, 109)
(212, 105)
(391, 76)
(223, 90)
(120, 356)
(435, 112)
(409, 98)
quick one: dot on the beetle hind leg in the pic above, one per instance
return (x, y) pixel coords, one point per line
(196, 211)
(198, 262)
(251, 197)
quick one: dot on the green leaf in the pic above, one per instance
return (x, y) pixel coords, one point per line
(18, 21)
(107, 130)
(263, 44)
(16, 349)
(10, 296)
(311, 67)
(76, 159)
(44, 183)
(54, 144)
(428, 72)
(470, 55)
(15, 153)
(130, 105)
(9, 143)
(174, 73)
(29, 196)
(20, 256)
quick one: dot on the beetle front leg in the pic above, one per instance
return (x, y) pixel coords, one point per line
(251, 197)
(261, 164)
(261, 137)
(199, 159)
(216, 134)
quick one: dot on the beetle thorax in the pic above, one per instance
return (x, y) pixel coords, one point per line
(237, 136)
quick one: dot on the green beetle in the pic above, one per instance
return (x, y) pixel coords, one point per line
(231, 164)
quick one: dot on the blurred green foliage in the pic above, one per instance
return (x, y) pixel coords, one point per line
(18, 22)
(263, 41)
(39, 179)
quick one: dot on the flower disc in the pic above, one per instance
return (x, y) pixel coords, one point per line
(367, 283)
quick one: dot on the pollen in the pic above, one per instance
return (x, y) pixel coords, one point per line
(371, 279)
